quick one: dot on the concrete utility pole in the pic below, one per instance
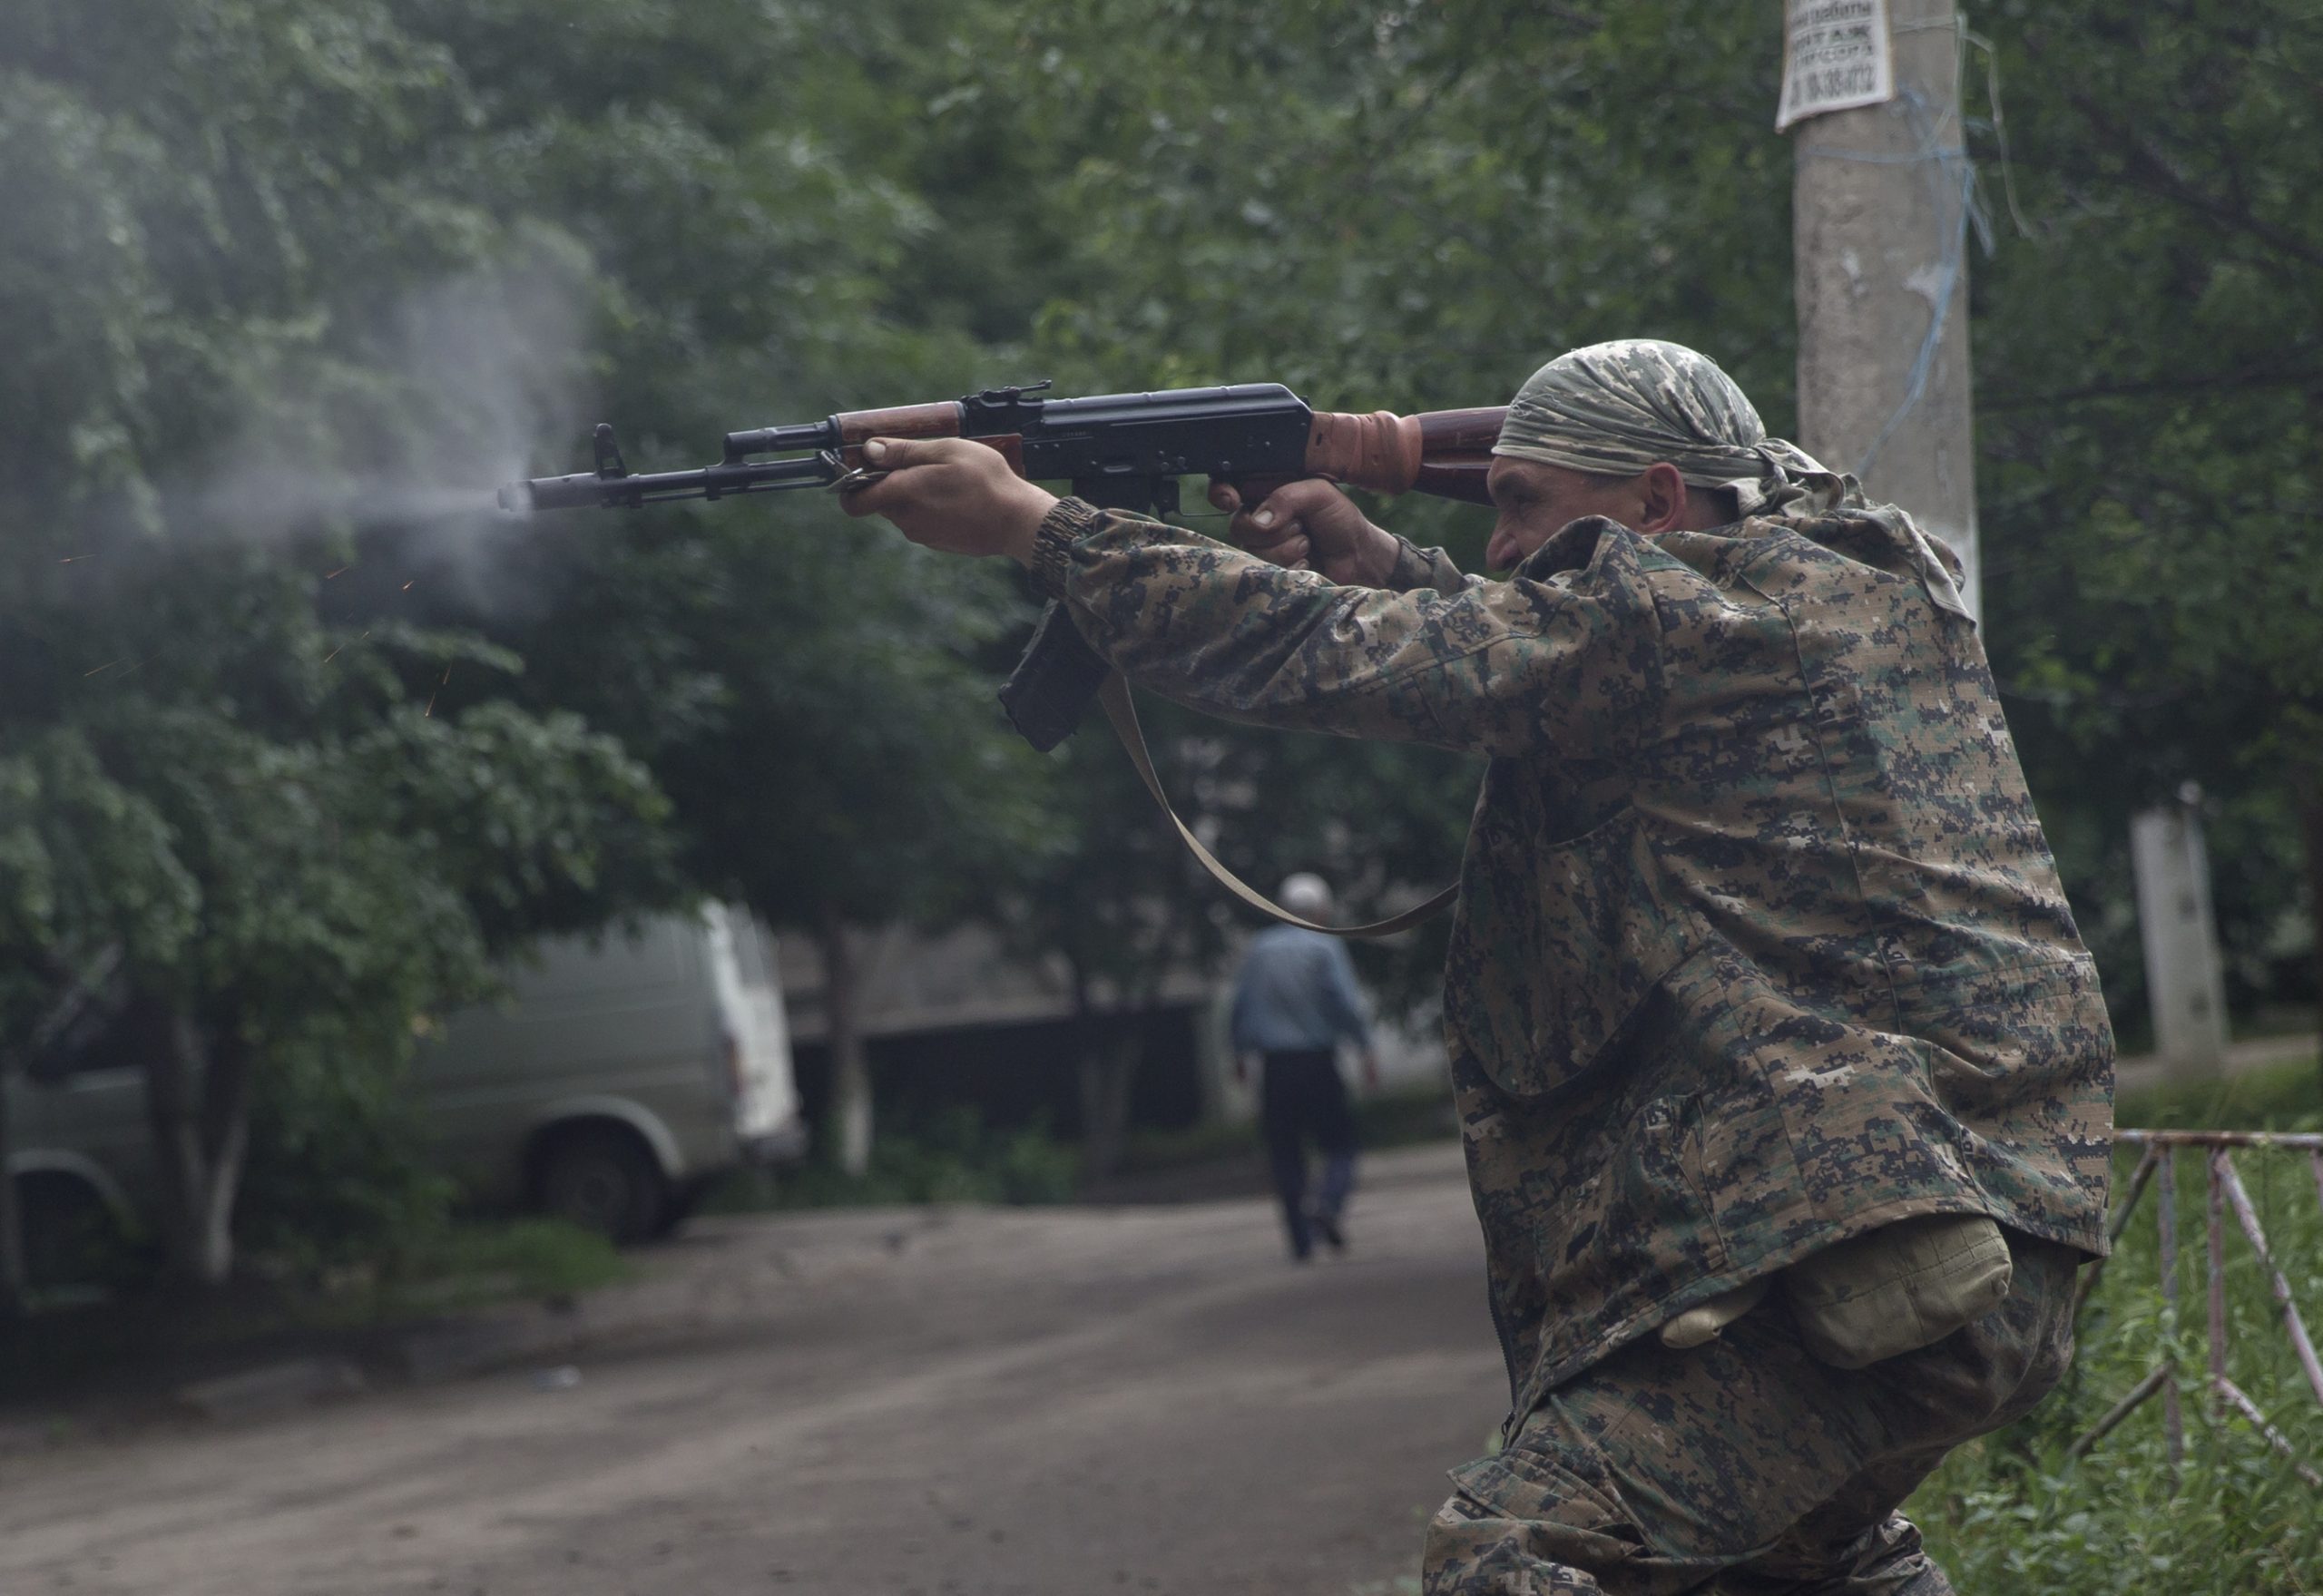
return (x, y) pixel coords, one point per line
(1879, 242)
(2184, 976)
(1880, 238)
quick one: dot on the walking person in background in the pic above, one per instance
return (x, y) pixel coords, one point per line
(1294, 1001)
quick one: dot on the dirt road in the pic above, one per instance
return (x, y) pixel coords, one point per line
(1038, 1401)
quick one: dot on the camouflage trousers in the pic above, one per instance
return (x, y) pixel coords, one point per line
(1745, 1466)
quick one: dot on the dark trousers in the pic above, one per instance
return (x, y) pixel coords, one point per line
(1745, 1466)
(1301, 1099)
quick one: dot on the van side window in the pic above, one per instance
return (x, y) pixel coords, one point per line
(123, 1036)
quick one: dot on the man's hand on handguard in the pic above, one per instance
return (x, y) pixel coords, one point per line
(952, 495)
(1310, 525)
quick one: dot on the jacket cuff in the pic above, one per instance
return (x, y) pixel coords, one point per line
(1067, 523)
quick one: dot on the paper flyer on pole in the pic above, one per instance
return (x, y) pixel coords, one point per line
(1837, 55)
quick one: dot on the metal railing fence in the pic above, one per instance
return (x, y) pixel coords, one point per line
(2158, 1167)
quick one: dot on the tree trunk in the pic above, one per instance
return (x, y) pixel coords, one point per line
(1104, 1067)
(226, 1140)
(1107, 1071)
(851, 1066)
(11, 1219)
(2310, 826)
(198, 1104)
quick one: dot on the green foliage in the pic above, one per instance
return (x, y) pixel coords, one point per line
(338, 1181)
(2149, 355)
(2283, 1097)
(83, 859)
(218, 205)
(472, 1263)
(2240, 1524)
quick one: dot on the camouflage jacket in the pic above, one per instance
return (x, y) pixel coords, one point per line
(1760, 945)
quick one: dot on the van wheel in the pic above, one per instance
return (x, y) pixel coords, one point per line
(605, 1180)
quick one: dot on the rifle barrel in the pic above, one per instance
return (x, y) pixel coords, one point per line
(588, 490)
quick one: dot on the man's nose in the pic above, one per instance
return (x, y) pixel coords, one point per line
(1500, 549)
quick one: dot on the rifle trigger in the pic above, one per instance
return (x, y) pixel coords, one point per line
(844, 480)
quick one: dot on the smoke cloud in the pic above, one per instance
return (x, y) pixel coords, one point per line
(452, 390)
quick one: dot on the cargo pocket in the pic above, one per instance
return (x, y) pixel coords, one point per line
(1898, 1288)
(1603, 938)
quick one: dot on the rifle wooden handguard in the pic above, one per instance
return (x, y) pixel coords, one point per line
(1441, 452)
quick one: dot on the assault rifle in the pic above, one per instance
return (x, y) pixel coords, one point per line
(1117, 451)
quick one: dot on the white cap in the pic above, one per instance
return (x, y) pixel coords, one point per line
(1305, 895)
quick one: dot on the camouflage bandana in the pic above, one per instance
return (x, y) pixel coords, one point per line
(1613, 409)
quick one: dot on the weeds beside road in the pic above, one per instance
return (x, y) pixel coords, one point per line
(2010, 1514)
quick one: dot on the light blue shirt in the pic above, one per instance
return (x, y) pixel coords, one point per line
(1296, 991)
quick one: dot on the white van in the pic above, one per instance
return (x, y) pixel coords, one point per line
(619, 1076)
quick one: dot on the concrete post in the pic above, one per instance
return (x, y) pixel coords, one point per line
(1880, 241)
(2185, 978)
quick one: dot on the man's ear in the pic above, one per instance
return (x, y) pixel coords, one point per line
(1663, 490)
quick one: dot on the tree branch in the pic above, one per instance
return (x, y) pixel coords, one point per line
(2164, 179)
(2153, 385)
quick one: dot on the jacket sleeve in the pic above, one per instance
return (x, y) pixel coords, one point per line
(1418, 568)
(1569, 662)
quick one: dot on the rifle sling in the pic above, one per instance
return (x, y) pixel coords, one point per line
(1122, 713)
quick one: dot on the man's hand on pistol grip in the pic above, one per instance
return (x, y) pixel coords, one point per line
(1310, 525)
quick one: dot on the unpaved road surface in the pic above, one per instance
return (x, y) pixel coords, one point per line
(1044, 1401)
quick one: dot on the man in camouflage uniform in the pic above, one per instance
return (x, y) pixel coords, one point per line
(1761, 973)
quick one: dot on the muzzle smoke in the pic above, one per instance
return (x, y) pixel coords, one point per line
(450, 394)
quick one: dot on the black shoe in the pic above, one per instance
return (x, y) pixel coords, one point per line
(1327, 1226)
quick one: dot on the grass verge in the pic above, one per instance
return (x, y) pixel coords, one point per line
(953, 1157)
(146, 1337)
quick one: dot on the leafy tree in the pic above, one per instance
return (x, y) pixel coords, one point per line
(86, 875)
(2149, 354)
(220, 197)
